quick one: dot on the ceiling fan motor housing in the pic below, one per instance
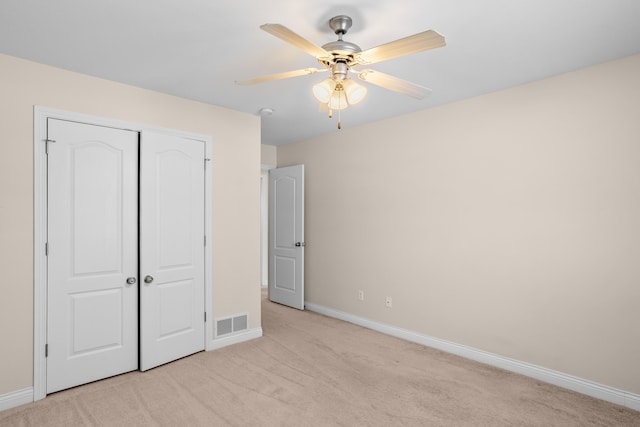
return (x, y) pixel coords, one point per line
(342, 47)
(342, 52)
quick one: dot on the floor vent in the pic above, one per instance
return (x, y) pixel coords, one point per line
(231, 325)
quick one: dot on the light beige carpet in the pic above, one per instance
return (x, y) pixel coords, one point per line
(310, 370)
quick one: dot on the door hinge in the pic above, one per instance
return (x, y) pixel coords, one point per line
(205, 240)
(205, 162)
(205, 317)
(46, 145)
(46, 350)
(46, 249)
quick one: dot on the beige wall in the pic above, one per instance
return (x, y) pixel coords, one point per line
(269, 155)
(509, 222)
(236, 193)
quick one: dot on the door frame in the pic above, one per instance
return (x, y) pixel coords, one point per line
(40, 116)
(264, 224)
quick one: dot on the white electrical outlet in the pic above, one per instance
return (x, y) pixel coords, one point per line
(361, 295)
(388, 302)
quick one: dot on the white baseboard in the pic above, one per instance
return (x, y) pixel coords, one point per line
(599, 391)
(236, 338)
(633, 401)
(21, 397)
(16, 398)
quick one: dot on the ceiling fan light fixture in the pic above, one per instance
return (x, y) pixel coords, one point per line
(339, 95)
(323, 90)
(353, 91)
(338, 100)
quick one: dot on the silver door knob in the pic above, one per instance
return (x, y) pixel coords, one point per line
(298, 244)
(148, 279)
(131, 280)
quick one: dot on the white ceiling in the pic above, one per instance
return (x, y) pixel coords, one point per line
(197, 48)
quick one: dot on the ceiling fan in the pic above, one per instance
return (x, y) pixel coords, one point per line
(341, 58)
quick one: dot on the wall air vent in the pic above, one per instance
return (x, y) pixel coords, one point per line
(231, 325)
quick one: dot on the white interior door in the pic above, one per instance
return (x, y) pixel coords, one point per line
(172, 240)
(92, 312)
(286, 236)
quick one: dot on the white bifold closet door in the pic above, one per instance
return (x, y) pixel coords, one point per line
(171, 249)
(103, 318)
(92, 322)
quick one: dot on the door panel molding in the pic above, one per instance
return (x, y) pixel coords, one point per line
(40, 116)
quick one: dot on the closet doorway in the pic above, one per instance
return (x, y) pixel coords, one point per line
(125, 251)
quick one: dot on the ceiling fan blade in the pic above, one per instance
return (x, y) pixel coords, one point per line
(290, 37)
(393, 83)
(416, 43)
(280, 76)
